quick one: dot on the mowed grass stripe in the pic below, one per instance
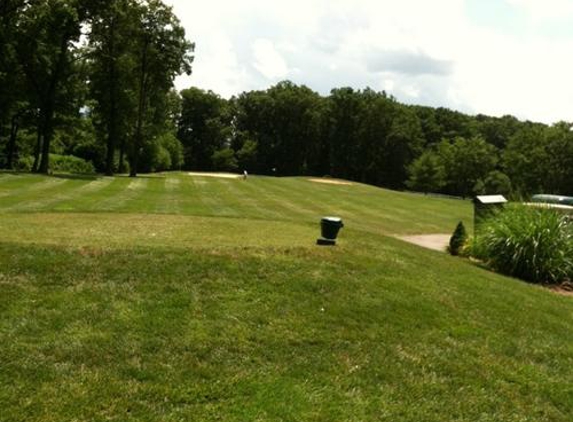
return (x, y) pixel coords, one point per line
(152, 194)
(343, 202)
(308, 202)
(281, 200)
(77, 191)
(83, 193)
(213, 196)
(290, 199)
(36, 195)
(254, 192)
(101, 190)
(392, 212)
(242, 200)
(170, 203)
(126, 190)
(191, 198)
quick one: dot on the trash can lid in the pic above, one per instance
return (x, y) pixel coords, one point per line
(332, 219)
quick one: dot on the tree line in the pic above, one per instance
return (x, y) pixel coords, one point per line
(88, 85)
(370, 137)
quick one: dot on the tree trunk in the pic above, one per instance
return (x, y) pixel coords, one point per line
(112, 116)
(38, 147)
(47, 134)
(11, 147)
(49, 104)
(137, 142)
(121, 168)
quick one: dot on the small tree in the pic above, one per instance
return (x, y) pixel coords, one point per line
(427, 173)
(458, 239)
(225, 160)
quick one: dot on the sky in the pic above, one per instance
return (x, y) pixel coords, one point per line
(492, 57)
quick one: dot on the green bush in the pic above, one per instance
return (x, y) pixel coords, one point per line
(24, 163)
(458, 239)
(162, 160)
(70, 164)
(224, 160)
(534, 244)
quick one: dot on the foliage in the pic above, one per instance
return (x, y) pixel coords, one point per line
(497, 183)
(24, 163)
(285, 122)
(70, 164)
(534, 244)
(427, 173)
(59, 163)
(458, 239)
(225, 160)
(204, 127)
(467, 162)
(174, 148)
(247, 155)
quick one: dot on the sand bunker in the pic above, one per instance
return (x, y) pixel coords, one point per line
(437, 242)
(331, 182)
(221, 175)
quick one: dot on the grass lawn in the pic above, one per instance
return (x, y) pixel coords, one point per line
(176, 298)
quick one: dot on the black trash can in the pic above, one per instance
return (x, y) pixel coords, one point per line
(329, 228)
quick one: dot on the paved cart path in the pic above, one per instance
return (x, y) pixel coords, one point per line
(437, 242)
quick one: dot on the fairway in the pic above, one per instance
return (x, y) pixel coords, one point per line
(296, 200)
(173, 297)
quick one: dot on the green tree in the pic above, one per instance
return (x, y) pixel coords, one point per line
(467, 162)
(225, 160)
(204, 127)
(526, 160)
(13, 98)
(47, 41)
(113, 23)
(497, 182)
(285, 122)
(161, 52)
(247, 155)
(427, 173)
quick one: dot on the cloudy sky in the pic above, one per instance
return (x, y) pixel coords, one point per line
(479, 56)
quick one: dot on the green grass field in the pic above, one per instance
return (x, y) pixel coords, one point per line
(178, 298)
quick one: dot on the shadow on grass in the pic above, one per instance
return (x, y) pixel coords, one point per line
(79, 176)
(76, 176)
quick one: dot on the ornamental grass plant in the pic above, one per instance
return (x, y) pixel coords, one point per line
(533, 244)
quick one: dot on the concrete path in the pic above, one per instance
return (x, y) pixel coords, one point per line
(437, 242)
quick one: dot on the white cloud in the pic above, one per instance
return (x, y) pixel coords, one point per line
(420, 52)
(268, 60)
(545, 9)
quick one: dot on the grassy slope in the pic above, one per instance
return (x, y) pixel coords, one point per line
(124, 316)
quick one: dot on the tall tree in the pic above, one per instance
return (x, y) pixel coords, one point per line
(13, 100)
(161, 52)
(467, 163)
(46, 41)
(204, 127)
(113, 24)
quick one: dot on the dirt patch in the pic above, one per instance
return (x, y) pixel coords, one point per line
(564, 289)
(331, 182)
(436, 242)
(220, 175)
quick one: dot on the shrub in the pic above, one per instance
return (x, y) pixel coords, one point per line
(224, 160)
(534, 244)
(162, 160)
(70, 164)
(458, 239)
(24, 163)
